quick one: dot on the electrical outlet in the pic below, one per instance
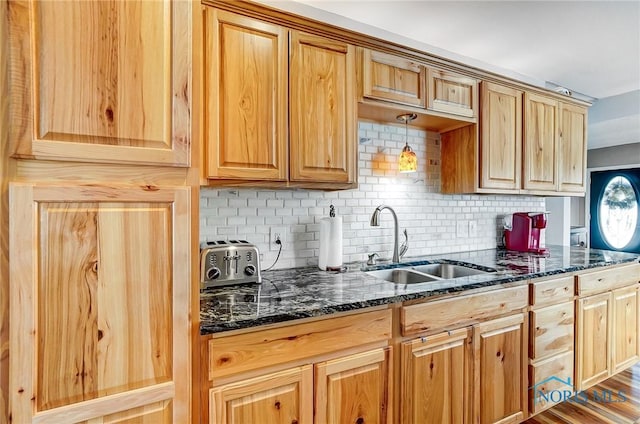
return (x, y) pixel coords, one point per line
(462, 229)
(473, 228)
(274, 234)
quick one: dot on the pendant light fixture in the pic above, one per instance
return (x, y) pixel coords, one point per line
(408, 160)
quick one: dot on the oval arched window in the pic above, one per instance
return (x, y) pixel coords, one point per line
(618, 212)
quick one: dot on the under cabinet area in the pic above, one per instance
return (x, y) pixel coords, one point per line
(279, 105)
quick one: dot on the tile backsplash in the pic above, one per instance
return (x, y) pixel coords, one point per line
(436, 223)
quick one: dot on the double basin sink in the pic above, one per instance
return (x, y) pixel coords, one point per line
(425, 273)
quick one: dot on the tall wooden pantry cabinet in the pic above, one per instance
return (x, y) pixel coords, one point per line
(102, 198)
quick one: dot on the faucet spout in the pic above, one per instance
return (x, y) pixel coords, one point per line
(375, 222)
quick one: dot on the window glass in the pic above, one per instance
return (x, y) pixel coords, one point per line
(618, 212)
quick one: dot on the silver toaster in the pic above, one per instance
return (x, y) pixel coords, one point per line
(226, 262)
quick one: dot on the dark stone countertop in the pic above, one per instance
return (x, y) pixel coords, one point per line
(290, 294)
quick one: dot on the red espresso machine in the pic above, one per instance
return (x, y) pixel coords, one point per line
(526, 230)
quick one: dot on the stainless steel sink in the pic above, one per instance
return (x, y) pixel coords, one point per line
(447, 271)
(402, 276)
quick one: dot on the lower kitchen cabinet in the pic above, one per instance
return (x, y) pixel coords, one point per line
(281, 397)
(625, 350)
(475, 374)
(100, 293)
(437, 379)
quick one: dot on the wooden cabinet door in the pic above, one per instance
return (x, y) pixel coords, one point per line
(593, 340)
(283, 397)
(452, 93)
(101, 81)
(322, 110)
(625, 348)
(573, 148)
(392, 78)
(354, 389)
(100, 304)
(245, 71)
(540, 147)
(436, 380)
(500, 137)
(500, 354)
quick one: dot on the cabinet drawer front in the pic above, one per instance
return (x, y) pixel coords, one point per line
(263, 348)
(391, 78)
(551, 330)
(555, 373)
(460, 311)
(608, 279)
(552, 291)
(452, 93)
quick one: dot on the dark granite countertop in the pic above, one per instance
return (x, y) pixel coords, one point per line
(290, 294)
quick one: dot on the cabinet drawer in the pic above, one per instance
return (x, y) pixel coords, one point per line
(608, 279)
(542, 381)
(552, 291)
(263, 348)
(452, 93)
(459, 311)
(551, 330)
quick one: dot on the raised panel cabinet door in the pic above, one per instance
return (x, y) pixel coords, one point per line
(101, 80)
(436, 380)
(625, 350)
(283, 397)
(322, 110)
(100, 303)
(593, 340)
(392, 78)
(245, 99)
(452, 93)
(500, 137)
(573, 148)
(540, 146)
(500, 355)
(354, 389)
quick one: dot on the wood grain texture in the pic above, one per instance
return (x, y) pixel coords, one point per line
(4, 215)
(452, 93)
(573, 148)
(353, 389)
(111, 81)
(436, 379)
(392, 78)
(500, 352)
(551, 330)
(540, 143)
(105, 313)
(593, 340)
(541, 383)
(547, 292)
(460, 311)
(277, 398)
(322, 110)
(625, 325)
(608, 279)
(250, 351)
(500, 137)
(460, 159)
(246, 78)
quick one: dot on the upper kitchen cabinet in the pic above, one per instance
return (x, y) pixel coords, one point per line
(280, 105)
(100, 280)
(322, 110)
(101, 81)
(452, 93)
(540, 148)
(573, 148)
(392, 78)
(245, 65)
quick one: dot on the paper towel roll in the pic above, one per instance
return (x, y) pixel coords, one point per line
(330, 255)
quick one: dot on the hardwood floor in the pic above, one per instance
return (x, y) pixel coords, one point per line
(614, 401)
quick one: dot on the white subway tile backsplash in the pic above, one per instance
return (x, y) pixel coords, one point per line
(430, 217)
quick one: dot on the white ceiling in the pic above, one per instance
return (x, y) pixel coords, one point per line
(590, 47)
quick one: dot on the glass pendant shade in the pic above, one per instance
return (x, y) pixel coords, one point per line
(408, 161)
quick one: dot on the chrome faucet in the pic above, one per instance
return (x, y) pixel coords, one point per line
(375, 222)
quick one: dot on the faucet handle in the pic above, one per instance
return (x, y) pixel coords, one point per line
(372, 258)
(405, 244)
